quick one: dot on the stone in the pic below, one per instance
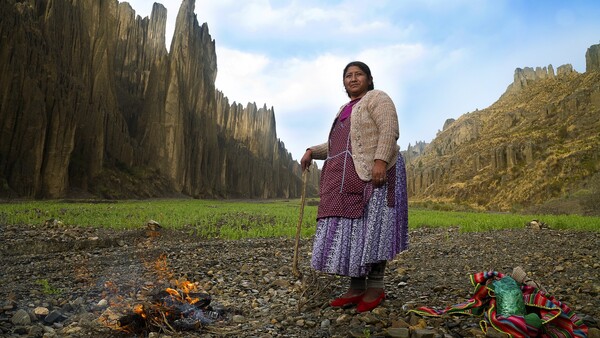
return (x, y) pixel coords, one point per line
(400, 323)
(53, 317)
(41, 311)
(343, 318)
(72, 330)
(282, 283)
(369, 318)
(7, 307)
(423, 333)
(49, 332)
(493, 333)
(593, 332)
(419, 324)
(238, 319)
(398, 332)
(358, 333)
(380, 311)
(475, 332)
(21, 317)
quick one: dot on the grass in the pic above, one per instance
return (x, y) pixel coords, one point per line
(250, 219)
(47, 289)
(482, 221)
(209, 218)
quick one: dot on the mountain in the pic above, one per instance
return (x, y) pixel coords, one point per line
(536, 148)
(93, 104)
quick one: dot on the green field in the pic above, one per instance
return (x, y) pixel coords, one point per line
(249, 219)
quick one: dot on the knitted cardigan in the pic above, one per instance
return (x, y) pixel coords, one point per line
(373, 133)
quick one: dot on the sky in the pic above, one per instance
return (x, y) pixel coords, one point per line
(437, 59)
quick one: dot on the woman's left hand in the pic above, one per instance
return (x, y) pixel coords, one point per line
(379, 173)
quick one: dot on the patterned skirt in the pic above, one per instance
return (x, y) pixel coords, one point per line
(349, 246)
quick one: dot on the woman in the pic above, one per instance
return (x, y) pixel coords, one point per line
(362, 220)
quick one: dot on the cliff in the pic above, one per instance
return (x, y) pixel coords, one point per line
(93, 102)
(536, 146)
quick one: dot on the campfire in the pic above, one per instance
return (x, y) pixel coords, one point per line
(172, 309)
(182, 307)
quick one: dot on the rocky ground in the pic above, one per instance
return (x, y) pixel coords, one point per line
(60, 281)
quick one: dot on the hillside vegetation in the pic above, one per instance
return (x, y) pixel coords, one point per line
(536, 148)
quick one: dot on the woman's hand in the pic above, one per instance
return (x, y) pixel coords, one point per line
(306, 160)
(379, 173)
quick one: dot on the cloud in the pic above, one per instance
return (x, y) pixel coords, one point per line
(300, 90)
(239, 75)
(307, 92)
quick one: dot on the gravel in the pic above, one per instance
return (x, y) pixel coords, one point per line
(62, 281)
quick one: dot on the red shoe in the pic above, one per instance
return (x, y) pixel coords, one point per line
(364, 306)
(339, 302)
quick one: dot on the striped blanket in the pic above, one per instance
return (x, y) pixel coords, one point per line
(557, 319)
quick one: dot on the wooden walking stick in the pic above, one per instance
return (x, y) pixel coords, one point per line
(295, 271)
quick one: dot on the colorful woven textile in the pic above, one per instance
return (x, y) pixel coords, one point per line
(558, 320)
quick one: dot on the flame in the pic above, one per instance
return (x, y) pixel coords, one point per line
(139, 309)
(159, 312)
(187, 286)
(174, 293)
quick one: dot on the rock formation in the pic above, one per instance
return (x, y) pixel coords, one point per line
(592, 59)
(92, 101)
(539, 142)
(526, 75)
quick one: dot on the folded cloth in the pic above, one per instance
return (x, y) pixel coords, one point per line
(557, 319)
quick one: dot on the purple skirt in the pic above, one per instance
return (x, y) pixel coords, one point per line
(349, 246)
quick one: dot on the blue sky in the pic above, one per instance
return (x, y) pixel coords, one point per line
(437, 59)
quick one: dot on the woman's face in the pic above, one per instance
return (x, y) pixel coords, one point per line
(356, 82)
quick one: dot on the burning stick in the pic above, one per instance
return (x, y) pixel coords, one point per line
(295, 271)
(170, 310)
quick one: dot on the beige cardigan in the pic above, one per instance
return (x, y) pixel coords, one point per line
(373, 134)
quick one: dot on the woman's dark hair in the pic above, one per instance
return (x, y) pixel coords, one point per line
(363, 66)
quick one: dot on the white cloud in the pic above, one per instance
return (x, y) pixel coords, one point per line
(239, 74)
(306, 93)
